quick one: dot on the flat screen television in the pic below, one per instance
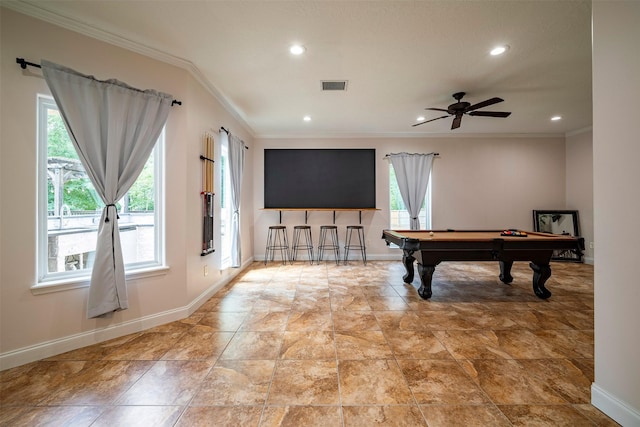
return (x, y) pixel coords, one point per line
(320, 178)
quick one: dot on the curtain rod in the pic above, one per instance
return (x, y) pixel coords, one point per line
(434, 154)
(229, 133)
(24, 64)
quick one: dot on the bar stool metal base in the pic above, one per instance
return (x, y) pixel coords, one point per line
(359, 229)
(277, 241)
(296, 245)
(323, 245)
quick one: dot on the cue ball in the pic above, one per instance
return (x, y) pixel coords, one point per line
(431, 233)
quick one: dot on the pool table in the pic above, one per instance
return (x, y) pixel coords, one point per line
(430, 248)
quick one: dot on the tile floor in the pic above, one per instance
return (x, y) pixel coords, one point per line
(328, 345)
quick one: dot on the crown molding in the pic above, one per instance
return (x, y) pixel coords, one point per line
(409, 135)
(36, 10)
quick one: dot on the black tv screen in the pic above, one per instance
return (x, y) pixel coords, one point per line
(320, 178)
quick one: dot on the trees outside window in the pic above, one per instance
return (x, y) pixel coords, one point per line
(69, 208)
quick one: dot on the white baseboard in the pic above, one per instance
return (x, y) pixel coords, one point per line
(615, 408)
(51, 348)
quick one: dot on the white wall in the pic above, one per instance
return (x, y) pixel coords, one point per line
(478, 183)
(36, 326)
(579, 184)
(616, 176)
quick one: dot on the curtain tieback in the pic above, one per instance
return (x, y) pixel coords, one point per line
(106, 218)
(414, 217)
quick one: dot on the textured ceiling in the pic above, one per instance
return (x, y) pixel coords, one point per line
(398, 57)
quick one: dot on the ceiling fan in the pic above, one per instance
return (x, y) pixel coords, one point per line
(460, 108)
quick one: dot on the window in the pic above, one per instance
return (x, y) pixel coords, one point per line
(69, 209)
(225, 206)
(399, 215)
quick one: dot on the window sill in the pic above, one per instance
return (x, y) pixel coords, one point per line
(83, 282)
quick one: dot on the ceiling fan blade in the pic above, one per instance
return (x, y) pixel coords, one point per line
(484, 104)
(456, 122)
(427, 121)
(490, 113)
(437, 109)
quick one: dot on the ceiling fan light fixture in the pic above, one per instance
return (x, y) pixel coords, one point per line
(420, 118)
(499, 50)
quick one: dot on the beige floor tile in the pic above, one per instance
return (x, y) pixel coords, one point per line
(366, 416)
(349, 302)
(98, 383)
(416, 345)
(304, 382)
(508, 382)
(245, 416)
(254, 345)
(167, 383)
(310, 321)
(373, 382)
(399, 321)
(30, 384)
(362, 345)
(544, 415)
(473, 344)
(328, 344)
(223, 321)
(464, 416)
(29, 416)
(308, 345)
(160, 416)
(200, 343)
(297, 416)
(441, 382)
(236, 382)
(146, 346)
(355, 321)
(263, 321)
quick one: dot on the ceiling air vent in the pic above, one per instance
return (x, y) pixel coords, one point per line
(334, 85)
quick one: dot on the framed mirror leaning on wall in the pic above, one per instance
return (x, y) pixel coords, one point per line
(559, 222)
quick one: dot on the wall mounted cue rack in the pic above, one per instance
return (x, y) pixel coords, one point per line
(207, 195)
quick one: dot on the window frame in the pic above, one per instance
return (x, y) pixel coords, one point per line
(425, 223)
(62, 280)
(225, 206)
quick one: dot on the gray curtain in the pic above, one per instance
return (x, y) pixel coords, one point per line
(236, 169)
(412, 174)
(114, 128)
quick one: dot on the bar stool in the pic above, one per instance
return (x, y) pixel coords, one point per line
(332, 230)
(305, 231)
(348, 245)
(277, 241)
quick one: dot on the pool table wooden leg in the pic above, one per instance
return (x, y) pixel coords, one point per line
(541, 272)
(505, 272)
(407, 260)
(426, 274)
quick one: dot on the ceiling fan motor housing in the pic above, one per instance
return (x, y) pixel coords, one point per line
(458, 107)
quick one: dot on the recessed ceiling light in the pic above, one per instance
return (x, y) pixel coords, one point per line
(499, 50)
(307, 118)
(297, 49)
(556, 118)
(419, 119)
